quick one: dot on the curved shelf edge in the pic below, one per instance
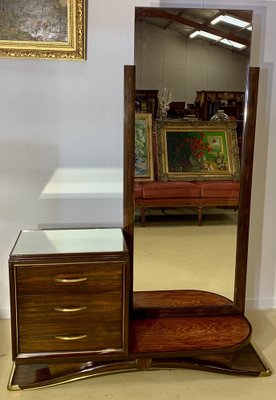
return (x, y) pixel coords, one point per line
(165, 303)
(188, 336)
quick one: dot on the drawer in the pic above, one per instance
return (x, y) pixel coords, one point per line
(95, 277)
(95, 337)
(44, 312)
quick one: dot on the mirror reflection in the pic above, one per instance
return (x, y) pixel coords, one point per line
(190, 85)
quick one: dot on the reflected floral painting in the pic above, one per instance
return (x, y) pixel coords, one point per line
(196, 150)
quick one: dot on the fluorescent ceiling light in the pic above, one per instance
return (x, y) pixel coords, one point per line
(194, 34)
(230, 20)
(205, 34)
(217, 39)
(233, 44)
(217, 19)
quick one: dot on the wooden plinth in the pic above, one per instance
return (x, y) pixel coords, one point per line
(243, 362)
(218, 344)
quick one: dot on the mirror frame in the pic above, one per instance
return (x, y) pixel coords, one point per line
(236, 306)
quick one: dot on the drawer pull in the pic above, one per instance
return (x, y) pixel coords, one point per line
(78, 337)
(75, 309)
(73, 280)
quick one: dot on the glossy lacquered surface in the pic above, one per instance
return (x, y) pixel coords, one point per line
(70, 307)
(68, 304)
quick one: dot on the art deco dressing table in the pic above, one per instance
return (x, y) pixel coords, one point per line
(70, 315)
(74, 312)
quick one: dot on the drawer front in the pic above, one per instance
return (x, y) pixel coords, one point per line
(71, 308)
(55, 311)
(61, 278)
(91, 337)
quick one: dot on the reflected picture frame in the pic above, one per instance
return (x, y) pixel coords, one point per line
(197, 150)
(143, 155)
(43, 29)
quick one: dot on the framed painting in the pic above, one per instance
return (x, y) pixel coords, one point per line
(43, 29)
(143, 167)
(197, 150)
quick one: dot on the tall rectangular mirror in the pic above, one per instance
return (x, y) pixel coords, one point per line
(196, 61)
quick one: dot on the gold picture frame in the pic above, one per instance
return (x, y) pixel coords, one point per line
(43, 29)
(197, 150)
(143, 166)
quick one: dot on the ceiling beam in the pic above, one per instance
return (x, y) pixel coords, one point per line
(245, 15)
(158, 13)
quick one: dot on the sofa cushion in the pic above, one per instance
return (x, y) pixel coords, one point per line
(138, 190)
(166, 190)
(229, 189)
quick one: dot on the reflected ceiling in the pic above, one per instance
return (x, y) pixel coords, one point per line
(187, 21)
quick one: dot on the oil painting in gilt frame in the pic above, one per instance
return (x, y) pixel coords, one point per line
(143, 167)
(43, 29)
(197, 150)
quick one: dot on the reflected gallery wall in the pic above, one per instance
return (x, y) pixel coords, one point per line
(172, 251)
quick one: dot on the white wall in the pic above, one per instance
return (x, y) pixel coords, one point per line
(58, 114)
(167, 58)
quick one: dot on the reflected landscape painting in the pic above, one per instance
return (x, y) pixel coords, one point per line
(43, 28)
(143, 168)
(34, 20)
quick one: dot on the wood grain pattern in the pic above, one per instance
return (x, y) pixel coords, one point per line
(99, 321)
(177, 298)
(245, 187)
(95, 293)
(129, 143)
(101, 276)
(84, 337)
(188, 334)
(168, 303)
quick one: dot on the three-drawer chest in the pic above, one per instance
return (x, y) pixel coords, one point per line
(69, 295)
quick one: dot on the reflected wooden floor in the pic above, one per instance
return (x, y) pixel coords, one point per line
(173, 252)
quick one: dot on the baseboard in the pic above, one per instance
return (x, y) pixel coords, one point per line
(4, 313)
(260, 304)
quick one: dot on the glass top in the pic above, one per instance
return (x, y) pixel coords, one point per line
(61, 241)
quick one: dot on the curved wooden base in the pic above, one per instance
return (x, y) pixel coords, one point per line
(157, 340)
(242, 362)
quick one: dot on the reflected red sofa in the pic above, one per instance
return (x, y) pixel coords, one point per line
(198, 194)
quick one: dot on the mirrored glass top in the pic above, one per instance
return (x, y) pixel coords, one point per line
(69, 241)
